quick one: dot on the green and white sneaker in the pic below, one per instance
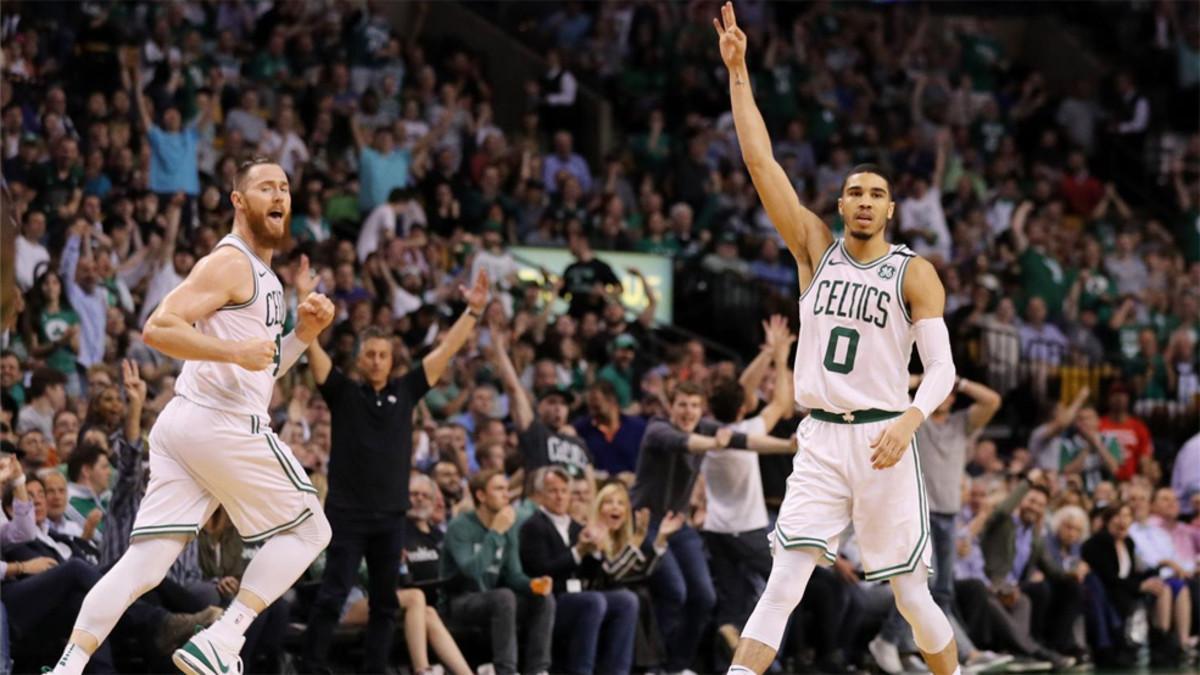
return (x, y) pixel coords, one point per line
(205, 656)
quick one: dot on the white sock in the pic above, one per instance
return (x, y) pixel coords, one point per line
(957, 670)
(73, 660)
(735, 669)
(232, 625)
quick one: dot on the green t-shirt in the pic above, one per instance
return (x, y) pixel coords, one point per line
(668, 246)
(1097, 294)
(51, 328)
(1042, 276)
(620, 382)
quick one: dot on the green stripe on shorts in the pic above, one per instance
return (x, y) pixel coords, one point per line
(288, 469)
(915, 557)
(304, 515)
(804, 542)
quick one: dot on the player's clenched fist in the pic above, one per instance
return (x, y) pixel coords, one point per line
(313, 315)
(254, 354)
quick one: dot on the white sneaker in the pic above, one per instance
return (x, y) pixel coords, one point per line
(914, 664)
(886, 656)
(984, 661)
(204, 656)
(486, 669)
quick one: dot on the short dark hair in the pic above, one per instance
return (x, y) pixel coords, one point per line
(43, 379)
(10, 491)
(726, 399)
(479, 481)
(244, 168)
(84, 455)
(687, 389)
(604, 388)
(869, 168)
(1110, 511)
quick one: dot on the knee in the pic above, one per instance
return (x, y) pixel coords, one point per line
(782, 592)
(670, 590)
(504, 602)
(623, 603)
(411, 599)
(702, 596)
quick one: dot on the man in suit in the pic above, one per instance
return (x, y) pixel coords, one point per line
(1018, 564)
(593, 629)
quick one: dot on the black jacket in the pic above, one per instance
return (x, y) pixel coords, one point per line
(543, 553)
(1100, 553)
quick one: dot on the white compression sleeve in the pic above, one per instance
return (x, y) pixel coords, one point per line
(290, 350)
(933, 343)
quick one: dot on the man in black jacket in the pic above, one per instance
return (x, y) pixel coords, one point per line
(593, 630)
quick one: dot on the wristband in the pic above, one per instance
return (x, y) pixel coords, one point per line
(474, 315)
(738, 441)
(958, 385)
(18, 481)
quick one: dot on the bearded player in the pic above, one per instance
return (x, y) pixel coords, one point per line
(863, 302)
(213, 444)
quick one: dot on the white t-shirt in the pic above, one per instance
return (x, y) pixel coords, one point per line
(290, 150)
(164, 281)
(733, 486)
(379, 226)
(29, 256)
(925, 213)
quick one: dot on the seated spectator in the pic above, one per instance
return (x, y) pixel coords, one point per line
(89, 472)
(57, 504)
(486, 585)
(593, 629)
(53, 573)
(1017, 564)
(1126, 579)
(1156, 547)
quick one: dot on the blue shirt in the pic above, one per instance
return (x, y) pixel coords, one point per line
(378, 174)
(1024, 546)
(574, 165)
(173, 165)
(619, 453)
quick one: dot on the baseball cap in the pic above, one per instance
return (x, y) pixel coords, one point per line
(554, 392)
(625, 341)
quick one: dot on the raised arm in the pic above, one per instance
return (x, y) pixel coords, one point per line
(779, 338)
(436, 361)
(219, 279)
(803, 232)
(518, 399)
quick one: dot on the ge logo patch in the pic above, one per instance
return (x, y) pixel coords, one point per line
(887, 272)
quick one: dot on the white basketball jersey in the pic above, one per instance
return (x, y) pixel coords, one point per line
(855, 334)
(226, 386)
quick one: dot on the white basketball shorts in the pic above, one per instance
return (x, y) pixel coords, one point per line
(201, 458)
(833, 484)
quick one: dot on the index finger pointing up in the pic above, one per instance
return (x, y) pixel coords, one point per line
(727, 13)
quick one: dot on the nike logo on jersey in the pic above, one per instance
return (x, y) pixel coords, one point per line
(262, 273)
(835, 262)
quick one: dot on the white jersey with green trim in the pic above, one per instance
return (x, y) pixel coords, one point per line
(227, 386)
(855, 333)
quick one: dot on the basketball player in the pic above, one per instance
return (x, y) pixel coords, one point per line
(213, 445)
(863, 303)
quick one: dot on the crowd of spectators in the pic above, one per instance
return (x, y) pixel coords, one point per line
(1064, 221)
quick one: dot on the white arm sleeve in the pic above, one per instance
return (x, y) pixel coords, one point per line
(290, 350)
(933, 343)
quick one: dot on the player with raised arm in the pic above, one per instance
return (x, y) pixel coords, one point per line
(213, 444)
(863, 303)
